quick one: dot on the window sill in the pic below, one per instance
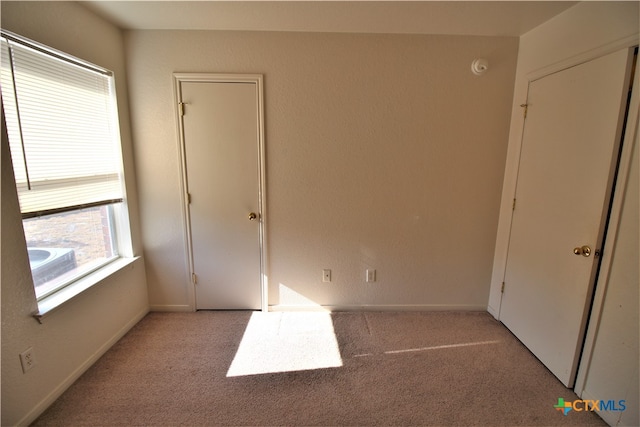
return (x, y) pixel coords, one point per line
(52, 302)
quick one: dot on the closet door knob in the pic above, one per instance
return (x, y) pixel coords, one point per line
(585, 251)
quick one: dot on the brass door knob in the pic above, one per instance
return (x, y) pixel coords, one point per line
(253, 216)
(585, 251)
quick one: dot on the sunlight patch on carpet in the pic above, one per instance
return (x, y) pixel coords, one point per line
(286, 341)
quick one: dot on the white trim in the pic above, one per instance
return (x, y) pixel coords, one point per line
(175, 308)
(379, 307)
(626, 159)
(256, 79)
(56, 300)
(625, 42)
(493, 312)
(48, 400)
(503, 238)
(262, 197)
(186, 224)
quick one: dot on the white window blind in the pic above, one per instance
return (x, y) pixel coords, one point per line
(63, 129)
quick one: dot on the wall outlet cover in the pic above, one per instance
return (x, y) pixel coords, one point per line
(371, 275)
(27, 359)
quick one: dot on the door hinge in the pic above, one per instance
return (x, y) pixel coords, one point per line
(502, 288)
(513, 207)
(194, 278)
(526, 107)
(181, 108)
(188, 198)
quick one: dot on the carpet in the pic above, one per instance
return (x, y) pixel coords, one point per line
(303, 369)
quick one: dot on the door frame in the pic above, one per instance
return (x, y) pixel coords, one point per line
(512, 166)
(599, 283)
(257, 79)
(607, 167)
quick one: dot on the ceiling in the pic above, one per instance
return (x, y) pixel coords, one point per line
(480, 18)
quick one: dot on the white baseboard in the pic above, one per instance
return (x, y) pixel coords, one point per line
(379, 307)
(32, 415)
(362, 307)
(174, 308)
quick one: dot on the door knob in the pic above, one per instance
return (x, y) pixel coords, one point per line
(585, 251)
(253, 216)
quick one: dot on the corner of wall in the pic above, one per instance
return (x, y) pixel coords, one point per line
(73, 337)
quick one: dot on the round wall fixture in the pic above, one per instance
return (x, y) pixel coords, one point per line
(479, 66)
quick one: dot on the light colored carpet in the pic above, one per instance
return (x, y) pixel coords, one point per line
(373, 368)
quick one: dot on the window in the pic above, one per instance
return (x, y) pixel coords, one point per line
(65, 146)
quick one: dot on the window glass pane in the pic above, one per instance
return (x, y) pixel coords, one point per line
(64, 247)
(63, 131)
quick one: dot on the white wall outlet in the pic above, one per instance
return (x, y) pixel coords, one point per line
(326, 275)
(27, 359)
(371, 275)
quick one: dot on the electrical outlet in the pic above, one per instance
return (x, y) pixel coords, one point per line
(370, 275)
(27, 359)
(326, 275)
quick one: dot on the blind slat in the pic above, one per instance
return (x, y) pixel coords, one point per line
(70, 142)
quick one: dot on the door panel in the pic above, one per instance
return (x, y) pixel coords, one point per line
(221, 144)
(570, 144)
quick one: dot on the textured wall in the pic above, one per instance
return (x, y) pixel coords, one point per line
(383, 151)
(72, 337)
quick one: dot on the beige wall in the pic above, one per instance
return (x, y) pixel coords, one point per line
(383, 151)
(74, 336)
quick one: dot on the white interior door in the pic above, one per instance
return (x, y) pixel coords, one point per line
(222, 146)
(570, 144)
